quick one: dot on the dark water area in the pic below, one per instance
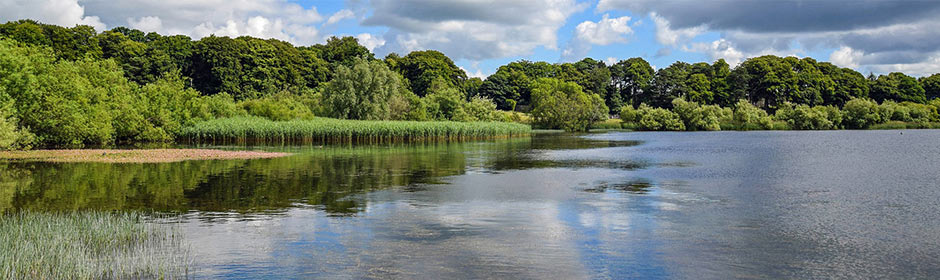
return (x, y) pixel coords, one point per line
(701, 205)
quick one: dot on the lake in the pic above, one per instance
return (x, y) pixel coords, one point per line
(713, 205)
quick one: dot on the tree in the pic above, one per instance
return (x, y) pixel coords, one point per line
(342, 51)
(849, 84)
(931, 86)
(897, 87)
(669, 83)
(249, 67)
(361, 91)
(423, 67)
(559, 104)
(630, 80)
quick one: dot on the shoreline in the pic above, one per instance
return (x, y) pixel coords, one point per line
(132, 156)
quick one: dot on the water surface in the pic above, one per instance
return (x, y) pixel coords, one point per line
(717, 205)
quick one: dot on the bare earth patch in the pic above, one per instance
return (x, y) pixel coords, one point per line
(133, 156)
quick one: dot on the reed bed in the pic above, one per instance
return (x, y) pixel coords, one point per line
(256, 129)
(89, 245)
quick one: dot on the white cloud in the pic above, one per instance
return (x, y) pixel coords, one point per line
(471, 29)
(339, 16)
(369, 41)
(59, 12)
(603, 32)
(277, 19)
(672, 37)
(611, 61)
(146, 24)
(846, 57)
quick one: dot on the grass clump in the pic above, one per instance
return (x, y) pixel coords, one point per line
(89, 245)
(254, 129)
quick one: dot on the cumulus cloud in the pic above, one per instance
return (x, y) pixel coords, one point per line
(471, 29)
(871, 34)
(668, 36)
(339, 16)
(278, 19)
(370, 41)
(603, 32)
(60, 12)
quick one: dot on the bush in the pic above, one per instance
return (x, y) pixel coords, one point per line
(11, 137)
(658, 119)
(749, 117)
(803, 117)
(478, 109)
(362, 91)
(558, 104)
(696, 117)
(861, 113)
(279, 107)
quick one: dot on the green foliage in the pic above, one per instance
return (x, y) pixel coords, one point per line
(749, 117)
(279, 107)
(362, 91)
(861, 113)
(931, 86)
(66, 43)
(558, 104)
(803, 117)
(697, 117)
(422, 68)
(649, 118)
(478, 109)
(247, 67)
(897, 87)
(12, 137)
(630, 79)
(333, 130)
(342, 51)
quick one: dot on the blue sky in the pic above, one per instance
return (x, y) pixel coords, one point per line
(480, 35)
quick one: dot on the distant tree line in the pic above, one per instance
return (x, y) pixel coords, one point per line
(75, 86)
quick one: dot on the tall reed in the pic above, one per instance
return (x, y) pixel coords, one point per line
(89, 245)
(242, 129)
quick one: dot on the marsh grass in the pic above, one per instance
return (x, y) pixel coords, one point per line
(325, 130)
(90, 245)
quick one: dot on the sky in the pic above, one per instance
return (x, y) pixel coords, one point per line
(878, 36)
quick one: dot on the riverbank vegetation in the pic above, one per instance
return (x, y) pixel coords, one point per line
(856, 114)
(74, 87)
(89, 245)
(257, 129)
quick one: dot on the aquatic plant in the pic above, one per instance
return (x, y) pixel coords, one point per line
(89, 245)
(241, 129)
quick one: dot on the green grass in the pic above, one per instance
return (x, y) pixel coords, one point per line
(255, 129)
(89, 245)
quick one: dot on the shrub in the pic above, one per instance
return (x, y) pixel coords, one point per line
(478, 109)
(658, 119)
(11, 137)
(803, 117)
(749, 117)
(861, 113)
(362, 91)
(697, 117)
(558, 104)
(279, 107)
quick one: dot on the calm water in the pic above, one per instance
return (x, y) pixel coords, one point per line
(834, 204)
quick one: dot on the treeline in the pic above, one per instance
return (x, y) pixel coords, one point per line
(857, 113)
(75, 86)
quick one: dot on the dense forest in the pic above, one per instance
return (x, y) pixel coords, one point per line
(75, 86)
